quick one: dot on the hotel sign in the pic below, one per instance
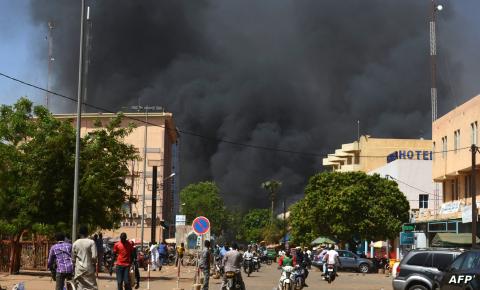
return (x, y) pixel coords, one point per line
(410, 154)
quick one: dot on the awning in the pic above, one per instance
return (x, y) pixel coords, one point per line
(323, 240)
(170, 241)
(379, 244)
(452, 240)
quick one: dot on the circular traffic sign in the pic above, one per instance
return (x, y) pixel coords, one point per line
(201, 225)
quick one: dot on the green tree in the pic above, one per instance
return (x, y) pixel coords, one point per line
(253, 225)
(272, 187)
(348, 204)
(37, 155)
(203, 199)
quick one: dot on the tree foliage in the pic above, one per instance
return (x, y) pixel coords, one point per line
(272, 187)
(37, 154)
(203, 199)
(350, 204)
(254, 223)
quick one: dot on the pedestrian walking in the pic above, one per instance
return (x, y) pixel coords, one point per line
(123, 250)
(180, 253)
(135, 265)
(60, 261)
(154, 255)
(84, 256)
(100, 252)
(204, 264)
(162, 254)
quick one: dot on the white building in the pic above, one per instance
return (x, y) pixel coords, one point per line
(414, 179)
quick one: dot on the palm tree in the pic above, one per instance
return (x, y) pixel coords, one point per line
(272, 186)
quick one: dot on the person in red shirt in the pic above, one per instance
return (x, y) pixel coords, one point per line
(123, 251)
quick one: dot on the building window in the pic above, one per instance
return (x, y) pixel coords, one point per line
(456, 140)
(474, 133)
(423, 201)
(444, 147)
(468, 180)
(454, 189)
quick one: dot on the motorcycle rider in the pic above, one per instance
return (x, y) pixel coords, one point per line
(332, 259)
(232, 262)
(249, 255)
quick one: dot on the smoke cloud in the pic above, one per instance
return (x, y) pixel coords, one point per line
(285, 74)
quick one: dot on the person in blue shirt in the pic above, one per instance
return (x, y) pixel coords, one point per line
(162, 253)
(224, 250)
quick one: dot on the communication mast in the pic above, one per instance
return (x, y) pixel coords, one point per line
(51, 26)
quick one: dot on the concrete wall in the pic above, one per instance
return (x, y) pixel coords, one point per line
(413, 178)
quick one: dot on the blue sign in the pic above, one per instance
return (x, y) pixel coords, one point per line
(410, 154)
(407, 238)
(201, 225)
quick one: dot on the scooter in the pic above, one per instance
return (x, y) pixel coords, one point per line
(285, 282)
(298, 277)
(330, 274)
(256, 263)
(233, 283)
(248, 266)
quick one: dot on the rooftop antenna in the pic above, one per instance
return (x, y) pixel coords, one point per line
(433, 55)
(88, 47)
(51, 26)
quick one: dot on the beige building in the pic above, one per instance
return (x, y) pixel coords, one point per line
(453, 134)
(371, 153)
(160, 147)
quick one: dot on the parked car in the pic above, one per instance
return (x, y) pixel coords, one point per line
(352, 261)
(462, 273)
(348, 260)
(419, 268)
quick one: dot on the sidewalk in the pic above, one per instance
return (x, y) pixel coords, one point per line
(164, 280)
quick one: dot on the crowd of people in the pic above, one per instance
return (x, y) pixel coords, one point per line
(80, 263)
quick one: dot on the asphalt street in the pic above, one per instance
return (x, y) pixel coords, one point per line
(266, 279)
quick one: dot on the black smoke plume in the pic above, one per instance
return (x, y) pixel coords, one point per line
(279, 73)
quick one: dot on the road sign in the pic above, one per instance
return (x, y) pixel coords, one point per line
(407, 238)
(201, 225)
(408, 227)
(180, 220)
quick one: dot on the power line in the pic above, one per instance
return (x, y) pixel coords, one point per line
(191, 133)
(218, 140)
(416, 188)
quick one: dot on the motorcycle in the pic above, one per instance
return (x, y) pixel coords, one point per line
(248, 266)
(330, 274)
(298, 277)
(233, 282)
(285, 282)
(143, 260)
(219, 269)
(256, 263)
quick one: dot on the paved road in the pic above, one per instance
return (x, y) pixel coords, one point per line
(266, 279)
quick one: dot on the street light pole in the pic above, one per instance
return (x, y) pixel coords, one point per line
(144, 176)
(79, 120)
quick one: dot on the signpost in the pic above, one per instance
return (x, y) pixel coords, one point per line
(180, 220)
(407, 238)
(201, 225)
(408, 227)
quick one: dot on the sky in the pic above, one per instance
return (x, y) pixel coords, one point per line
(294, 75)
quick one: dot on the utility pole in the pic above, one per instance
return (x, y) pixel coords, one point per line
(79, 120)
(154, 205)
(146, 108)
(474, 150)
(284, 223)
(51, 26)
